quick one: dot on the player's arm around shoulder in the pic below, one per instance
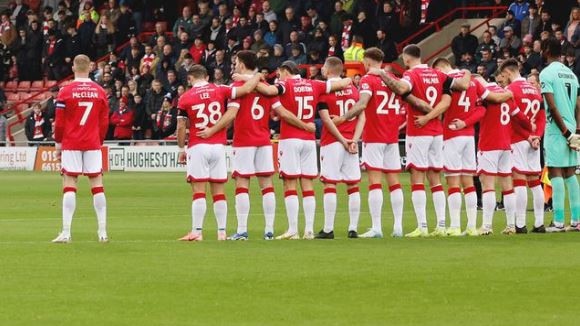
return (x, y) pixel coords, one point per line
(399, 86)
(356, 110)
(337, 85)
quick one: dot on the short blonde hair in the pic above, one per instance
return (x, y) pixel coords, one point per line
(81, 63)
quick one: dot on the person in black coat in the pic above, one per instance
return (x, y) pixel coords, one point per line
(387, 45)
(465, 42)
(34, 44)
(125, 25)
(86, 32)
(53, 54)
(140, 119)
(37, 126)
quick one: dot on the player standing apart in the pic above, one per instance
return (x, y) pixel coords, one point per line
(459, 161)
(560, 90)
(339, 161)
(297, 147)
(526, 148)
(82, 120)
(424, 143)
(203, 105)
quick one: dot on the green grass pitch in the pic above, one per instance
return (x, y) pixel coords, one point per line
(145, 277)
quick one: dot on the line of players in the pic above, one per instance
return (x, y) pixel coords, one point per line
(374, 115)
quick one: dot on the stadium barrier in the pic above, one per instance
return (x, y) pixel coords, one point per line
(146, 156)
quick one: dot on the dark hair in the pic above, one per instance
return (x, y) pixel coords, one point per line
(248, 58)
(440, 62)
(374, 54)
(290, 66)
(357, 39)
(413, 51)
(553, 46)
(509, 64)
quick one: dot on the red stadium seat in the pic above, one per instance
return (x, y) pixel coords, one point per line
(24, 86)
(24, 96)
(12, 97)
(37, 86)
(49, 83)
(44, 96)
(21, 108)
(11, 86)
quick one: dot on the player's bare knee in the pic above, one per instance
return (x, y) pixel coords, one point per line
(96, 181)
(306, 184)
(265, 182)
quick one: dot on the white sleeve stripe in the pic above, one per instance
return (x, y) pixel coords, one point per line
(181, 117)
(233, 93)
(516, 111)
(485, 94)
(366, 91)
(276, 104)
(234, 105)
(328, 86)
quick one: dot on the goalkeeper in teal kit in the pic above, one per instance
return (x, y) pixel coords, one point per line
(561, 141)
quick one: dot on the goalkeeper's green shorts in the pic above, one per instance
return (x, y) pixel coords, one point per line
(557, 153)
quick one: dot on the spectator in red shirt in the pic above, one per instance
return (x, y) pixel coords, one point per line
(122, 119)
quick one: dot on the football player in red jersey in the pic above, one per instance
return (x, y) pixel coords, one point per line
(494, 157)
(339, 162)
(252, 146)
(526, 147)
(297, 147)
(424, 142)
(203, 106)
(82, 120)
(383, 113)
(459, 162)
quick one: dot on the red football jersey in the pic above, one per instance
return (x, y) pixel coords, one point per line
(530, 102)
(429, 85)
(384, 113)
(463, 104)
(300, 96)
(495, 128)
(338, 103)
(204, 105)
(82, 116)
(251, 126)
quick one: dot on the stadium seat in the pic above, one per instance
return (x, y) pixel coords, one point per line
(37, 86)
(12, 97)
(44, 96)
(21, 108)
(66, 82)
(49, 83)
(24, 96)
(24, 86)
(11, 86)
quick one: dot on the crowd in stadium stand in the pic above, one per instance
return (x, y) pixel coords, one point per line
(144, 79)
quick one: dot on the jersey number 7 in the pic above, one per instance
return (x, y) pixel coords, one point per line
(88, 107)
